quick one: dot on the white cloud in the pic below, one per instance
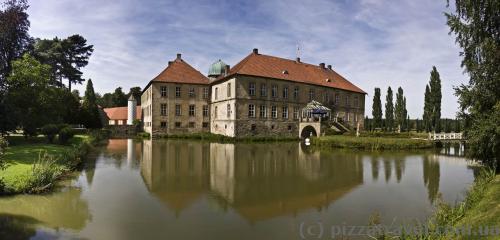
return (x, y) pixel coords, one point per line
(372, 43)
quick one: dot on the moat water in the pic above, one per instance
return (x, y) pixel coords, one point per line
(166, 189)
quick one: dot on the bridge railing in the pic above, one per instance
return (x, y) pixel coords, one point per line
(445, 136)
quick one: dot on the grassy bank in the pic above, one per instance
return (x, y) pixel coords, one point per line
(33, 165)
(371, 143)
(221, 138)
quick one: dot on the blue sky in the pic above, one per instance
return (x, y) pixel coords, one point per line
(372, 43)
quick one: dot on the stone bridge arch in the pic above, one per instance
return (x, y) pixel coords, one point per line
(308, 129)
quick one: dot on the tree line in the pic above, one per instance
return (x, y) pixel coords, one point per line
(37, 75)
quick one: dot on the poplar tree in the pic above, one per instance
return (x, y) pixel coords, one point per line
(89, 107)
(399, 109)
(377, 109)
(427, 109)
(389, 110)
(435, 87)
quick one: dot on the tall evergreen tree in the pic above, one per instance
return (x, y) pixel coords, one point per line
(377, 109)
(399, 111)
(427, 110)
(477, 31)
(119, 98)
(435, 85)
(90, 111)
(389, 110)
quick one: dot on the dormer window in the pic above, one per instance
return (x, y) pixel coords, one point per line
(284, 72)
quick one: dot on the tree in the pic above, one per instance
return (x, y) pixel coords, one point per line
(399, 110)
(90, 111)
(136, 92)
(377, 109)
(477, 31)
(435, 87)
(14, 36)
(29, 97)
(66, 57)
(427, 109)
(389, 110)
(119, 98)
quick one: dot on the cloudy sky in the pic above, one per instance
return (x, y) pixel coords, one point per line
(373, 43)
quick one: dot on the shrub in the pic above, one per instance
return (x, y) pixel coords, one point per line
(65, 135)
(50, 131)
(43, 173)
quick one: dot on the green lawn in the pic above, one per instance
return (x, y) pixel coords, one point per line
(23, 153)
(371, 143)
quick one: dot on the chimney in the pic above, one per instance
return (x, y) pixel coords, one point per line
(255, 51)
(329, 66)
(178, 56)
(297, 59)
(226, 69)
(322, 65)
(169, 63)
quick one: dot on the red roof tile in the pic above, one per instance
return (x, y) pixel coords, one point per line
(178, 71)
(274, 67)
(121, 113)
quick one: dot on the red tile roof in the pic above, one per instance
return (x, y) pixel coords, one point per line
(261, 65)
(121, 113)
(178, 71)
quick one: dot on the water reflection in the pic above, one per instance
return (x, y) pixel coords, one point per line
(259, 181)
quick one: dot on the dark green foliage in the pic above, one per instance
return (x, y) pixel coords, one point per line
(435, 87)
(119, 98)
(476, 26)
(3, 145)
(90, 112)
(136, 92)
(65, 134)
(427, 109)
(400, 112)
(50, 131)
(65, 56)
(377, 109)
(389, 111)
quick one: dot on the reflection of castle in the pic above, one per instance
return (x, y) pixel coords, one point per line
(258, 181)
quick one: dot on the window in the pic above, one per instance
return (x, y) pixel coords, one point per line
(177, 124)
(285, 92)
(296, 93)
(274, 112)
(205, 124)
(228, 89)
(228, 111)
(347, 101)
(163, 124)
(216, 93)
(205, 110)
(311, 94)
(163, 91)
(177, 92)
(274, 91)
(191, 110)
(356, 101)
(251, 89)
(215, 112)
(253, 127)
(284, 113)
(289, 127)
(163, 109)
(325, 97)
(347, 115)
(295, 113)
(251, 110)
(191, 124)
(337, 98)
(205, 93)
(263, 111)
(178, 111)
(191, 92)
(263, 90)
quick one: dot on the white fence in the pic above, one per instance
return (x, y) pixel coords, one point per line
(445, 136)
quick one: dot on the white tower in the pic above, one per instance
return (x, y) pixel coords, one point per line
(132, 106)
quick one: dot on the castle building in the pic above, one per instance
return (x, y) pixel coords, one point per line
(261, 95)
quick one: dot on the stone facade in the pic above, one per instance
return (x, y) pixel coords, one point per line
(174, 108)
(280, 101)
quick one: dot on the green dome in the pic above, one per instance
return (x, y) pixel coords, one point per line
(217, 68)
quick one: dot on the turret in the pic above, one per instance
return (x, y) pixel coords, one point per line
(217, 69)
(131, 110)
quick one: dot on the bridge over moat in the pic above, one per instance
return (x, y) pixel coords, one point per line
(315, 119)
(446, 137)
